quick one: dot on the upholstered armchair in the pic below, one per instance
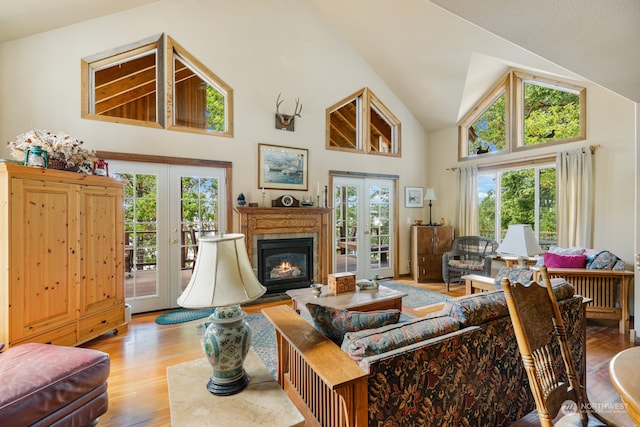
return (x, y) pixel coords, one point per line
(468, 255)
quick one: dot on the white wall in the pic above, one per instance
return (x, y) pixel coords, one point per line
(259, 48)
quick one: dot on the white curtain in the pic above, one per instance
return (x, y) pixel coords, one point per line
(467, 205)
(574, 195)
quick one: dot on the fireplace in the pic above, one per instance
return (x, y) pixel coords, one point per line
(285, 264)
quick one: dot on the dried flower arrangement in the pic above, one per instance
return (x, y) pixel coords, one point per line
(60, 147)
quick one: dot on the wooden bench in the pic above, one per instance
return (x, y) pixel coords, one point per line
(600, 287)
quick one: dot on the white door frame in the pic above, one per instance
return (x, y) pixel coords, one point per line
(142, 161)
(362, 235)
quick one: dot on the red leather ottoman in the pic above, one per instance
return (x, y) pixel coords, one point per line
(50, 385)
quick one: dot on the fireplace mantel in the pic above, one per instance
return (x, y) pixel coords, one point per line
(258, 221)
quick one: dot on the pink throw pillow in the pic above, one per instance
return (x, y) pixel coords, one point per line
(552, 260)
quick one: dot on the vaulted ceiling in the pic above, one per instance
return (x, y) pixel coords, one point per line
(438, 55)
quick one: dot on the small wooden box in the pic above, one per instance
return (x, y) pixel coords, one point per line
(340, 283)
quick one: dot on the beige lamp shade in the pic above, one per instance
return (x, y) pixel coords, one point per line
(430, 194)
(222, 275)
(519, 241)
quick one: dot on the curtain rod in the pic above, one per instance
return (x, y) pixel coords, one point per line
(524, 161)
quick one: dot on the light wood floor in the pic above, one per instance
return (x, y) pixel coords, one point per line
(138, 393)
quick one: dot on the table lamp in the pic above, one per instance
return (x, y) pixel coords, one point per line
(521, 242)
(430, 195)
(223, 278)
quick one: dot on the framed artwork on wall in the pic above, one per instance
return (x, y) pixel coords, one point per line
(413, 197)
(282, 168)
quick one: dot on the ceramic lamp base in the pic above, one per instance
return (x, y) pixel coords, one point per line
(226, 343)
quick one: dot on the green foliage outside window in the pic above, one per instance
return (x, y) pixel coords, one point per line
(215, 110)
(488, 133)
(518, 203)
(549, 114)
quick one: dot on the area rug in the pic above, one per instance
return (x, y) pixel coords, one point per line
(263, 340)
(416, 297)
(182, 315)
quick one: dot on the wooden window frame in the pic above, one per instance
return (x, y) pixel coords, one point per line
(502, 87)
(174, 49)
(93, 63)
(512, 85)
(165, 48)
(520, 79)
(366, 100)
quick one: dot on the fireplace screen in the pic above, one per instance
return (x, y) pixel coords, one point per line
(285, 264)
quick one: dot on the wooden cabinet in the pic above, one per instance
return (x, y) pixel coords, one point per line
(61, 256)
(428, 243)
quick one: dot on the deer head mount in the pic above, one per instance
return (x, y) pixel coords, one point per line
(287, 121)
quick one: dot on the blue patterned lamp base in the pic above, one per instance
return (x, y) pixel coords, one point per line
(226, 343)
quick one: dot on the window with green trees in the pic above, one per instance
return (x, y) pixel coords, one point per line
(518, 196)
(523, 111)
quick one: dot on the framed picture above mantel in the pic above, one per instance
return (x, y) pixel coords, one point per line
(283, 168)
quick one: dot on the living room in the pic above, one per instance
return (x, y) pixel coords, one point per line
(320, 52)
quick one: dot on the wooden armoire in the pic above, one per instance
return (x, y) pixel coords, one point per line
(61, 256)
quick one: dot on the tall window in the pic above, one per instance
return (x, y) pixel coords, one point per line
(518, 196)
(520, 112)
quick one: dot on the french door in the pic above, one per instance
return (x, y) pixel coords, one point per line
(167, 208)
(363, 226)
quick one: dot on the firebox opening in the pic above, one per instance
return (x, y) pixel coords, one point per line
(285, 264)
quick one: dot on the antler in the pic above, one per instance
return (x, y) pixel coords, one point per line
(278, 102)
(285, 119)
(297, 112)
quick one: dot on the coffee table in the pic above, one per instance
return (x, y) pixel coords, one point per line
(382, 298)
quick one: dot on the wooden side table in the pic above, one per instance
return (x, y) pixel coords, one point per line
(262, 403)
(475, 282)
(510, 261)
(624, 370)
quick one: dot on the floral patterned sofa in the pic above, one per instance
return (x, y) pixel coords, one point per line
(458, 366)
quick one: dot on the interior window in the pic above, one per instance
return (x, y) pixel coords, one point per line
(362, 123)
(123, 85)
(127, 85)
(200, 100)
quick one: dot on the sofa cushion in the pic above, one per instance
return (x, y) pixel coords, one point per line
(467, 264)
(335, 322)
(552, 260)
(40, 379)
(574, 250)
(377, 341)
(514, 274)
(475, 309)
(600, 259)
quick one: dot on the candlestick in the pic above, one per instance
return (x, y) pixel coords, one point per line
(326, 194)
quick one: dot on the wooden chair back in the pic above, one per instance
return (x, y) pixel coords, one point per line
(545, 350)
